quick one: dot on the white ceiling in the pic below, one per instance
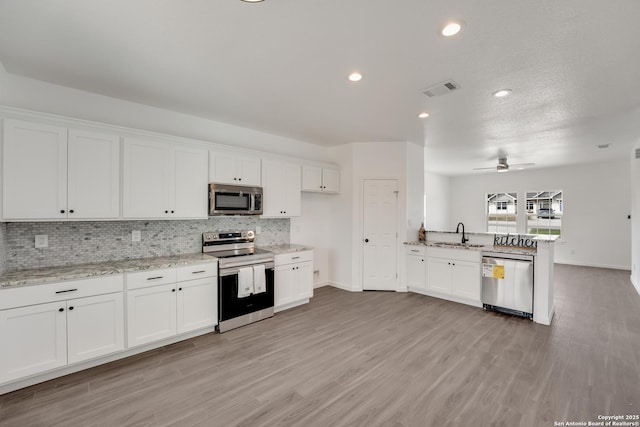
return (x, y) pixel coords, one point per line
(281, 66)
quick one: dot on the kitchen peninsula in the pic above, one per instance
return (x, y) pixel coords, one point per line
(445, 267)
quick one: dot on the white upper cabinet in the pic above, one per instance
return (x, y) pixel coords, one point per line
(94, 175)
(226, 168)
(50, 172)
(319, 179)
(163, 181)
(281, 189)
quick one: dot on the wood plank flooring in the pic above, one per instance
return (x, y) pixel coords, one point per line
(373, 359)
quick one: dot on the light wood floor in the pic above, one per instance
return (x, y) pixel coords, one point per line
(369, 359)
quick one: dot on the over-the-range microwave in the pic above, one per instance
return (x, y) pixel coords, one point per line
(227, 199)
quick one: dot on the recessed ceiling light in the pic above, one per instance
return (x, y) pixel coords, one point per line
(451, 29)
(423, 115)
(502, 93)
(355, 77)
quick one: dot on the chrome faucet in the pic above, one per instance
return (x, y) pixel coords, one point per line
(464, 238)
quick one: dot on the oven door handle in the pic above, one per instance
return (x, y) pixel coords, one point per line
(234, 270)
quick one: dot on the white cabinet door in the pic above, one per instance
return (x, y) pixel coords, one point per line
(439, 275)
(330, 180)
(466, 281)
(146, 175)
(197, 304)
(249, 170)
(34, 340)
(304, 278)
(34, 171)
(229, 168)
(311, 178)
(416, 271)
(188, 186)
(293, 196)
(223, 168)
(285, 285)
(151, 314)
(95, 326)
(93, 175)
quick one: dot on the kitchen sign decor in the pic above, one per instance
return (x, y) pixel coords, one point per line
(515, 241)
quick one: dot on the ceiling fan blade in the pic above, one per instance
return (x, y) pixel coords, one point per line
(521, 165)
(482, 169)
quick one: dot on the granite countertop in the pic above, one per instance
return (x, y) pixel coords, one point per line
(17, 278)
(472, 247)
(286, 248)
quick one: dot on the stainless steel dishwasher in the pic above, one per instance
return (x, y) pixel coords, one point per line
(507, 283)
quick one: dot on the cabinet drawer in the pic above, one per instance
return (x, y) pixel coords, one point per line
(60, 291)
(144, 279)
(459, 254)
(415, 250)
(190, 272)
(290, 258)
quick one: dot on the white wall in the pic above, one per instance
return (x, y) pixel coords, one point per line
(313, 228)
(438, 195)
(21, 92)
(595, 228)
(415, 189)
(635, 219)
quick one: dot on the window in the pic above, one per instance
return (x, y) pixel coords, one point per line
(502, 209)
(545, 217)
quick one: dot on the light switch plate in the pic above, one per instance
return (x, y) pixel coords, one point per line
(42, 241)
(136, 236)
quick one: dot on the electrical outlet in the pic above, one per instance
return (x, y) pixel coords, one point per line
(42, 241)
(316, 272)
(136, 236)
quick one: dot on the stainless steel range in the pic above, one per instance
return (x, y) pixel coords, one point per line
(245, 278)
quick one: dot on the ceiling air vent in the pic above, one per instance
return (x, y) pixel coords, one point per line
(441, 88)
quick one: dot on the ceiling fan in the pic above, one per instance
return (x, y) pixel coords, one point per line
(503, 166)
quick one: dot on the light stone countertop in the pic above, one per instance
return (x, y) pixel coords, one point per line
(491, 248)
(17, 278)
(286, 248)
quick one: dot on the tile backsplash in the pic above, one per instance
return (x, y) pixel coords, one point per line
(95, 241)
(3, 246)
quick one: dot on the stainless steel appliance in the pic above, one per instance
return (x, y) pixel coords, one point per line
(236, 251)
(507, 283)
(234, 200)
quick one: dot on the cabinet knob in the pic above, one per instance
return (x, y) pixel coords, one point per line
(173, 290)
(70, 210)
(61, 309)
(179, 289)
(171, 211)
(71, 308)
(366, 240)
(235, 179)
(166, 211)
(239, 179)
(61, 210)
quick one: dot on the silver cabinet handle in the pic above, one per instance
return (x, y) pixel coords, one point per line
(414, 250)
(155, 278)
(197, 272)
(295, 257)
(66, 290)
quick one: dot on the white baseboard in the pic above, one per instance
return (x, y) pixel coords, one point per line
(343, 287)
(635, 285)
(319, 285)
(582, 264)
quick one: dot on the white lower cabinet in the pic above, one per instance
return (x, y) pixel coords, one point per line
(454, 274)
(416, 267)
(159, 306)
(48, 329)
(293, 279)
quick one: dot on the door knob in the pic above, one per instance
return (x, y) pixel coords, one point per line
(366, 240)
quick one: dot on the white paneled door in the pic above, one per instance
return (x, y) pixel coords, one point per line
(380, 237)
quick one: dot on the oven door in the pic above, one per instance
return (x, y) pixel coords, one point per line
(230, 306)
